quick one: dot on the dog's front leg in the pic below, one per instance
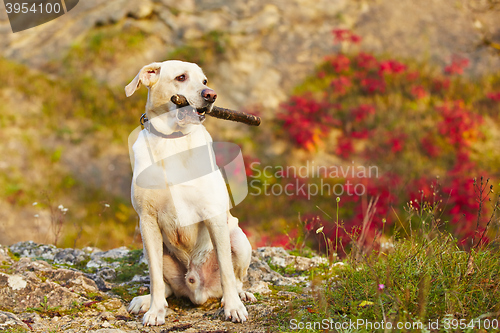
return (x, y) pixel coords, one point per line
(153, 245)
(219, 234)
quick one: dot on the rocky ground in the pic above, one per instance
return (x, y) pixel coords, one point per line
(49, 289)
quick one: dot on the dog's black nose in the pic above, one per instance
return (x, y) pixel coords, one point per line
(208, 95)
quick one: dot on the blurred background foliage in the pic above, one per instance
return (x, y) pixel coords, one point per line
(421, 106)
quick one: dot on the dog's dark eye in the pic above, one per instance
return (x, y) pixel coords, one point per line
(181, 78)
(205, 82)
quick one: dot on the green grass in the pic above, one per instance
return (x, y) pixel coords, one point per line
(52, 311)
(102, 46)
(16, 330)
(203, 51)
(130, 266)
(425, 279)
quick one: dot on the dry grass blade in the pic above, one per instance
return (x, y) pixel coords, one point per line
(367, 220)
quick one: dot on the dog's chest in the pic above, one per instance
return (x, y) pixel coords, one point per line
(179, 154)
(187, 243)
(180, 178)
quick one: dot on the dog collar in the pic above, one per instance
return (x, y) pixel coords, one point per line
(151, 129)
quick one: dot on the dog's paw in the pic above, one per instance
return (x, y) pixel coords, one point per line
(235, 311)
(154, 317)
(247, 297)
(139, 304)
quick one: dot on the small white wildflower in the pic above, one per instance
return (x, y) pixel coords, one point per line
(319, 230)
(61, 207)
(387, 245)
(64, 210)
(35, 203)
(106, 205)
(36, 215)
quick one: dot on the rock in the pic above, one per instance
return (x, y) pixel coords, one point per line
(259, 271)
(29, 291)
(4, 254)
(31, 249)
(66, 299)
(140, 278)
(102, 277)
(26, 264)
(16, 282)
(36, 284)
(144, 9)
(10, 320)
(70, 256)
(107, 274)
(118, 253)
(33, 319)
(81, 285)
(277, 256)
(100, 282)
(97, 260)
(105, 316)
(260, 287)
(91, 250)
(268, 252)
(113, 304)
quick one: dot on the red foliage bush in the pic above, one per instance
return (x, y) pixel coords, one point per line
(418, 92)
(457, 65)
(340, 63)
(341, 84)
(345, 35)
(494, 96)
(392, 67)
(373, 85)
(366, 61)
(306, 120)
(371, 101)
(361, 112)
(459, 125)
(345, 147)
(429, 145)
(440, 85)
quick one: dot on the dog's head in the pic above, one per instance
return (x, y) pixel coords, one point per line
(165, 79)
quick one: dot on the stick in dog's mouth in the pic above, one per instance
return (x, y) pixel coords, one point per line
(219, 112)
(186, 111)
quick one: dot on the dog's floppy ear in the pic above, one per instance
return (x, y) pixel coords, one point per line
(148, 75)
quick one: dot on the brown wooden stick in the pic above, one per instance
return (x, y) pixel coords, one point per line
(222, 113)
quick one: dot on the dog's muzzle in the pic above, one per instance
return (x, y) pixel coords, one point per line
(189, 115)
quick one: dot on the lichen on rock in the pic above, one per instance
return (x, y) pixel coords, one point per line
(40, 293)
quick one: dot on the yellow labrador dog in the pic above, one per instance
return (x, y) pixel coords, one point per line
(193, 245)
